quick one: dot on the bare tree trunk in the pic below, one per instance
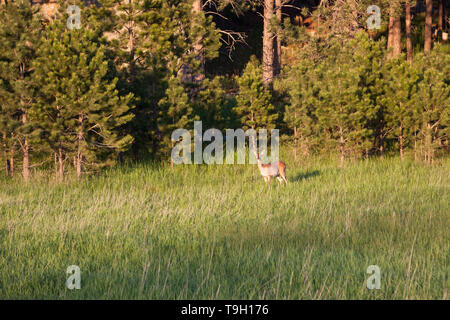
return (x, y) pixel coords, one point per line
(79, 165)
(409, 44)
(268, 52)
(415, 147)
(279, 13)
(390, 28)
(428, 24)
(5, 154)
(171, 159)
(429, 143)
(400, 140)
(197, 8)
(342, 145)
(381, 145)
(441, 14)
(26, 153)
(61, 163)
(395, 32)
(11, 163)
(131, 43)
(444, 14)
(80, 142)
(295, 143)
(56, 164)
(11, 159)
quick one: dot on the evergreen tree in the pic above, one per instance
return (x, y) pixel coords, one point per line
(176, 112)
(398, 99)
(80, 110)
(154, 43)
(209, 103)
(19, 39)
(300, 113)
(344, 107)
(254, 107)
(432, 101)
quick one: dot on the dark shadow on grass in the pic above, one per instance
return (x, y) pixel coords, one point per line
(305, 175)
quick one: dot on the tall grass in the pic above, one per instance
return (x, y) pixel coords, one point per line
(205, 232)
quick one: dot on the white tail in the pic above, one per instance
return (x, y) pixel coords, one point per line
(275, 169)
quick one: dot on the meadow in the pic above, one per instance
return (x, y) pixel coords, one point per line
(219, 232)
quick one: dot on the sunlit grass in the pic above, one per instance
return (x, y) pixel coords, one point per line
(205, 232)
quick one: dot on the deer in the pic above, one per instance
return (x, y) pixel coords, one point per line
(275, 169)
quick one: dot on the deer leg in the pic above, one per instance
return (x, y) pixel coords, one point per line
(280, 180)
(283, 175)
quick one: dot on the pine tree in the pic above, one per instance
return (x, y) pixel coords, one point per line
(345, 108)
(209, 103)
(432, 101)
(254, 107)
(81, 112)
(398, 99)
(155, 44)
(19, 39)
(300, 112)
(176, 112)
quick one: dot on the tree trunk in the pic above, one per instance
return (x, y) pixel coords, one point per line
(415, 147)
(26, 153)
(390, 28)
(395, 32)
(171, 158)
(397, 37)
(444, 14)
(131, 42)
(342, 145)
(277, 54)
(409, 44)
(56, 164)
(61, 163)
(400, 140)
(381, 146)
(268, 52)
(441, 15)
(11, 161)
(429, 144)
(80, 142)
(428, 24)
(295, 143)
(5, 154)
(197, 8)
(79, 165)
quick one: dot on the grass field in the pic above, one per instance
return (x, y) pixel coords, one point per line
(206, 232)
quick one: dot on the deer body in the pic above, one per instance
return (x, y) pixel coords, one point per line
(275, 169)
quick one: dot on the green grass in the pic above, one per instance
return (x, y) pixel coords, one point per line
(206, 232)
